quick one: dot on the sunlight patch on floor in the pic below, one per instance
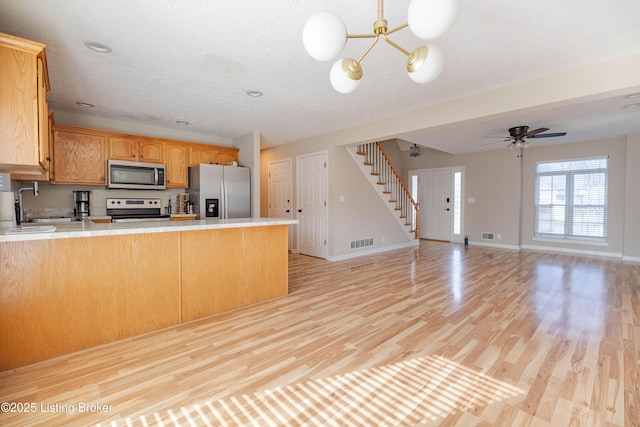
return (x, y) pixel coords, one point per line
(415, 391)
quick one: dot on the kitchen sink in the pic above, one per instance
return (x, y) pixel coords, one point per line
(54, 220)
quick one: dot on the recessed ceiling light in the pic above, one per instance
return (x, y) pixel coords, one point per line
(633, 96)
(254, 93)
(98, 47)
(182, 122)
(636, 105)
(85, 104)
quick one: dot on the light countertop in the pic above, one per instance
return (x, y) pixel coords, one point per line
(90, 229)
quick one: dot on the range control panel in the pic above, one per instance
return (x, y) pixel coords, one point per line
(133, 203)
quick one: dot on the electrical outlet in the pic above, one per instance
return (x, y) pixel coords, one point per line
(499, 236)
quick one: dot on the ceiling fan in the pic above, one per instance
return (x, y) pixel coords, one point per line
(519, 134)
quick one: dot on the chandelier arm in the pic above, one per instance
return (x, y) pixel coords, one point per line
(397, 29)
(361, 36)
(367, 51)
(384, 36)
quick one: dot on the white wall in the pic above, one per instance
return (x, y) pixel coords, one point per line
(249, 156)
(361, 215)
(632, 200)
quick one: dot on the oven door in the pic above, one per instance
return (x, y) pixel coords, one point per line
(136, 175)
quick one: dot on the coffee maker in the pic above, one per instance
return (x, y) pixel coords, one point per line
(81, 201)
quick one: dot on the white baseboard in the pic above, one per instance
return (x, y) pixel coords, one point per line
(413, 244)
(631, 258)
(494, 245)
(572, 251)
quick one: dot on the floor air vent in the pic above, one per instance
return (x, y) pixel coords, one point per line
(488, 236)
(362, 243)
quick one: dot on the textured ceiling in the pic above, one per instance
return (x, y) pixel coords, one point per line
(193, 60)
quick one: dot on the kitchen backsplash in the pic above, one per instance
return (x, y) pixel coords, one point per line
(57, 200)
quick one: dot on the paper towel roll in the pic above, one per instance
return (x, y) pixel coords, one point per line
(7, 208)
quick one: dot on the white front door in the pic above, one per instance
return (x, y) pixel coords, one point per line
(312, 204)
(435, 198)
(280, 196)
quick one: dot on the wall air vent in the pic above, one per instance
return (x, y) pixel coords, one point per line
(362, 243)
(488, 236)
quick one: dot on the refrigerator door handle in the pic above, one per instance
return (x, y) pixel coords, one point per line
(226, 200)
(223, 204)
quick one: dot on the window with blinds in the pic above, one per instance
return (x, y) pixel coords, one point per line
(571, 199)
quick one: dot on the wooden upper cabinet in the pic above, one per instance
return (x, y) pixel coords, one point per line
(176, 156)
(24, 84)
(201, 154)
(79, 156)
(226, 155)
(138, 150)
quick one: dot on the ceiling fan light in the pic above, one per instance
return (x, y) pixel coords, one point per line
(425, 64)
(345, 75)
(430, 19)
(324, 36)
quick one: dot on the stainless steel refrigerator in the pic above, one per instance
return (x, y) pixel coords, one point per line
(218, 191)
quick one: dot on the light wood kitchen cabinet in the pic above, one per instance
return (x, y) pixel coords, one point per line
(102, 288)
(226, 155)
(45, 175)
(176, 156)
(136, 149)
(79, 156)
(24, 84)
(201, 154)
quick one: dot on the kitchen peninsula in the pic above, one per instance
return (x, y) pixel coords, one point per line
(88, 284)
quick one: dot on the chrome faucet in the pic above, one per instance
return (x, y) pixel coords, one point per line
(20, 210)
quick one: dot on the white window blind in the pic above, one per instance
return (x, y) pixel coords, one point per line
(571, 199)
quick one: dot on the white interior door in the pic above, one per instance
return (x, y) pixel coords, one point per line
(434, 196)
(312, 204)
(280, 193)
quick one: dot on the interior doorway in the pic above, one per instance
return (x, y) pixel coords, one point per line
(312, 185)
(280, 192)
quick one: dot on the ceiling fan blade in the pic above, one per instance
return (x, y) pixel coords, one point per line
(549, 135)
(495, 142)
(531, 133)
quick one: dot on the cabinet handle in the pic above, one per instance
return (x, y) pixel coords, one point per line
(133, 156)
(141, 157)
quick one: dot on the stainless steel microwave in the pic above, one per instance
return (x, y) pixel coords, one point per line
(136, 175)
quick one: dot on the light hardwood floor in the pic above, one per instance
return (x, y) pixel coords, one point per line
(441, 335)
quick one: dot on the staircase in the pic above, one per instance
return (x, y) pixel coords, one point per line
(375, 164)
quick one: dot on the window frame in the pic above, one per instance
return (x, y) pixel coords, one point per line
(569, 204)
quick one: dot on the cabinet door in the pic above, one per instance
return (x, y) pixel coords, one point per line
(226, 156)
(201, 154)
(122, 148)
(19, 114)
(80, 157)
(176, 160)
(43, 119)
(151, 151)
(45, 176)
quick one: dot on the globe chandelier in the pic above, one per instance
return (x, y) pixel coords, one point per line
(325, 35)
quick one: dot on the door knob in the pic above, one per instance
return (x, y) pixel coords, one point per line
(300, 210)
(287, 211)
